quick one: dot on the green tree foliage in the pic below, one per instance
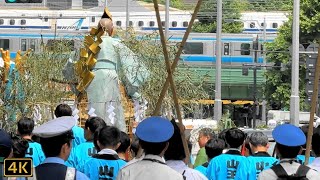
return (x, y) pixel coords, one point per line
(278, 83)
(149, 52)
(207, 16)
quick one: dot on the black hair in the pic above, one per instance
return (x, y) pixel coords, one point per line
(63, 110)
(25, 126)
(94, 123)
(315, 141)
(222, 135)
(175, 150)
(288, 151)
(109, 136)
(134, 147)
(235, 137)
(35, 138)
(125, 142)
(152, 148)
(214, 147)
(19, 146)
(4, 151)
(95, 139)
(52, 146)
(305, 130)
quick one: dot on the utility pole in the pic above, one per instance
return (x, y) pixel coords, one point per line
(294, 98)
(217, 100)
(106, 3)
(255, 47)
(264, 102)
(167, 19)
(127, 17)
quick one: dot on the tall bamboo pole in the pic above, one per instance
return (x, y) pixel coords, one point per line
(172, 85)
(313, 107)
(177, 57)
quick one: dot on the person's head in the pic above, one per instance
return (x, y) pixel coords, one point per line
(134, 147)
(289, 140)
(175, 150)
(124, 143)
(20, 147)
(5, 145)
(214, 147)
(235, 137)
(56, 137)
(204, 135)
(25, 126)
(63, 110)
(305, 129)
(258, 141)
(222, 135)
(154, 133)
(315, 141)
(108, 137)
(91, 125)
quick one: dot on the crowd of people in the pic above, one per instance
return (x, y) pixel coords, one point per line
(60, 149)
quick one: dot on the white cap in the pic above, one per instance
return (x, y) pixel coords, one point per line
(55, 127)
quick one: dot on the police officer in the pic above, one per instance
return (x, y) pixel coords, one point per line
(25, 128)
(289, 140)
(154, 134)
(56, 141)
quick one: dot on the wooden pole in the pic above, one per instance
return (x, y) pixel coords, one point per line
(313, 107)
(177, 57)
(172, 85)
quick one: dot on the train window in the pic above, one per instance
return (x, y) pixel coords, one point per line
(32, 44)
(4, 44)
(93, 19)
(140, 23)
(193, 48)
(226, 48)
(274, 25)
(174, 24)
(252, 25)
(245, 49)
(23, 22)
(185, 24)
(262, 24)
(46, 19)
(261, 46)
(118, 23)
(23, 45)
(12, 21)
(1, 21)
(130, 23)
(151, 23)
(163, 23)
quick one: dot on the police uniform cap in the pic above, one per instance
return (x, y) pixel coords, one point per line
(55, 127)
(5, 139)
(289, 135)
(155, 129)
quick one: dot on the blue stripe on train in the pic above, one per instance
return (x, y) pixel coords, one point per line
(224, 59)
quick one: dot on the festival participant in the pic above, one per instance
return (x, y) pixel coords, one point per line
(105, 164)
(302, 155)
(56, 142)
(259, 160)
(86, 150)
(289, 140)
(124, 146)
(316, 149)
(25, 128)
(226, 166)
(5, 149)
(205, 134)
(175, 157)
(78, 132)
(214, 147)
(154, 134)
(19, 146)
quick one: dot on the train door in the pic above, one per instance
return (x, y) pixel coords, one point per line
(26, 44)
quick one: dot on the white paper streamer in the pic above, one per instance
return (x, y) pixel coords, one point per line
(36, 113)
(1, 62)
(111, 113)
(91, 112)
